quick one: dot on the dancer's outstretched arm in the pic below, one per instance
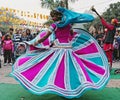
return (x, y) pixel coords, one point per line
(104, 23)
(43, 38)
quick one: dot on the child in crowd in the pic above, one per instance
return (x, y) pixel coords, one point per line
(7, 49)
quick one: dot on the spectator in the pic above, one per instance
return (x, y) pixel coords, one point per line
(7, 49)
(99, 38)
(118, 40)
(0, 42)
(115, 51)
(11, 30)
(29, 35)
(16, 41)
(24, 36)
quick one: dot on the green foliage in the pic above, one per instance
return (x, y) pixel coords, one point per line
(7, 20)
(112, 12)
(52, 4)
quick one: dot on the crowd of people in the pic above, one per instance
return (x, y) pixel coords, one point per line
(100, 36)
(10, 40)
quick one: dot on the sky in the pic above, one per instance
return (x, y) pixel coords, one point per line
(34, 5)
(79, 6)
(100, 5)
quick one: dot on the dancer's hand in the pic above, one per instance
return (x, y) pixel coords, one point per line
(35, 43)
(93, 9)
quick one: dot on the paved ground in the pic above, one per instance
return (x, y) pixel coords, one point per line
(5, 70)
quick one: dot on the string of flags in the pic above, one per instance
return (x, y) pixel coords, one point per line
(25, 14)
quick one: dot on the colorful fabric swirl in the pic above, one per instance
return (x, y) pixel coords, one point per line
(67, 72)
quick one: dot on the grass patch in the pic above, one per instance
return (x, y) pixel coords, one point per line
(114, 76)
(16, 92)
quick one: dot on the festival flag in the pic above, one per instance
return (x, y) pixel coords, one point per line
(47, 17)
(40, 16)
(24, 14)
(44, 16)
(37, 15)
(6, 9)
(34, 15)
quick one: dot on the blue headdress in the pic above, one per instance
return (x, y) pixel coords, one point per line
(73, 17)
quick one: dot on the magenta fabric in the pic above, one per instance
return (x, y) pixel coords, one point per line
(83, 68)
(23, 60)
(72, 36)
(87, 50)
(7, 45)
(62, 34)
(53, 26)
(34, 70)
(33, 48)
(46, 42)
(94, 67)
(59, 80)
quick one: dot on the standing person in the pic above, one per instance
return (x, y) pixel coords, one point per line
(10, 32)
(115, 50)
(7, 49)
(20, 46)
(116, 47)
(109, 38)
(67, 68)
(118, 40)
(16, 41)
(29, 35)
(24, 36)
(0, 43)
(0, 46)
(99, 38)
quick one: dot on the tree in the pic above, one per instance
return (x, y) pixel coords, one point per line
(66, 2)
(111, 12)
(7, 20)
(51, 4)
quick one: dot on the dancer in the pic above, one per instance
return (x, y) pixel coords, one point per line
(60, 66)
(109, 37)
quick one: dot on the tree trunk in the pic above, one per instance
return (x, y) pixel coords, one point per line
(66, 3)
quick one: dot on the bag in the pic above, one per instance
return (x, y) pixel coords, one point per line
(7, 45)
